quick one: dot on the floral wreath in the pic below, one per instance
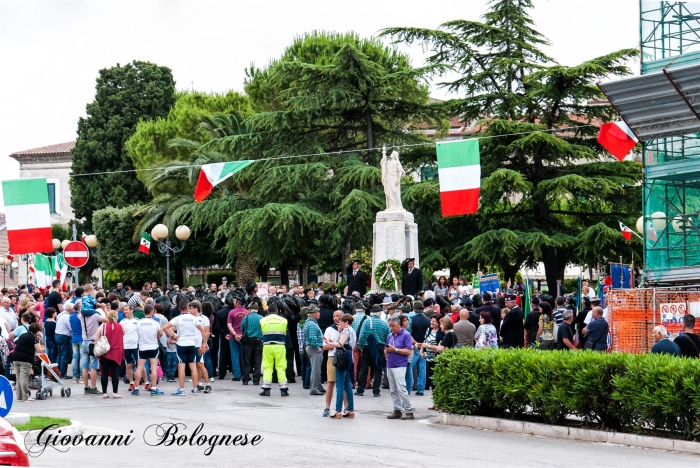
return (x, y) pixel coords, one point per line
(388, 274)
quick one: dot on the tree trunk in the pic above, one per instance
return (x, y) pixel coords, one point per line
(454, 271)
(346, 251)
(178, 276)
(553, 270)
(262, 273)
(245, 267)
(305, 274)
(370, 136)
(284, 274)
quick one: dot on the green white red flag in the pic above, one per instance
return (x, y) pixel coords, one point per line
(211, 175)
(27, 216)
(459, 171)
(145, 245)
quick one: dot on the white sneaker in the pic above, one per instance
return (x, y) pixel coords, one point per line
(211, 379)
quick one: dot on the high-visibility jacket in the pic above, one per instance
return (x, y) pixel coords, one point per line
(274, 329)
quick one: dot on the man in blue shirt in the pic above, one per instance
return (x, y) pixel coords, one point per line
(597, 331)
(662, 343)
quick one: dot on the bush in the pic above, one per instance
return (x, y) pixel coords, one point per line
(215, 277)
(624, 392)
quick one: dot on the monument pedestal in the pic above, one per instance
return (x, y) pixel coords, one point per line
(395, 236)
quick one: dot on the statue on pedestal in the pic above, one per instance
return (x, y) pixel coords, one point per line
(392, 171)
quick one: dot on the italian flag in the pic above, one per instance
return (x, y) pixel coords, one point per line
(626, 232)
(213, 174)
(44, 270)
(459, 171)
(617, 138)
(61, 268)
(145, 245)
(27, 216)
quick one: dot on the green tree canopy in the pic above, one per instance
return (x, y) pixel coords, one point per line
(548, 196)
(148, 146)
(124, 95)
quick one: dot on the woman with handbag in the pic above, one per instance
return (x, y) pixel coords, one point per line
(27, 344)
(109, 347)
(342, 360)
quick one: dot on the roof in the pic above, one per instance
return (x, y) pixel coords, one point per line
(61, 148)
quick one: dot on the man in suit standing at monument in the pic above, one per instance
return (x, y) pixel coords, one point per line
(357, 279)
(412, 280)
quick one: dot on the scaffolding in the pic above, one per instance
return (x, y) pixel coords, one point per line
(670, 38)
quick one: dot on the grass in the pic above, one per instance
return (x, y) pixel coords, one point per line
(40, 422)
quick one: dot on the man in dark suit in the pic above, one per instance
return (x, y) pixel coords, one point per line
(357, 279)
(512, 329)
(412, 281)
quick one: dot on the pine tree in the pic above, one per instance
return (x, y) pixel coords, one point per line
(548, 196)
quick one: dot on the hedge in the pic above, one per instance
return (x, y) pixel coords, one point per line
(639, 393)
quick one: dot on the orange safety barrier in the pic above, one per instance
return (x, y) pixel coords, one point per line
(633, 313)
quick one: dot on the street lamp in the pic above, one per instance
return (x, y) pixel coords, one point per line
(91, 242)
(159, 233)
(4, 264)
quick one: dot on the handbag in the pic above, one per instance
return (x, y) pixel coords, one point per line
(102, 346)
(340, 358)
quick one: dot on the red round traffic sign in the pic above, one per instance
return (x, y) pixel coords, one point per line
(76, 254)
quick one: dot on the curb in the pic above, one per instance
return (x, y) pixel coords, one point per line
(571, 433)
(74, 429)
(17, 418)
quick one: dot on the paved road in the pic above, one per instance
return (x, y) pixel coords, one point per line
(295, 434)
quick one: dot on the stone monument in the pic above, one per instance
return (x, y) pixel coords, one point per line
(395, 235)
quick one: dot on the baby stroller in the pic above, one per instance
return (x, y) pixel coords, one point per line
(46, 377)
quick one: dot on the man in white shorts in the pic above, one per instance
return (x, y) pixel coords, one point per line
(131, 343)
(149, 333)
(200, 342)
(187, 326)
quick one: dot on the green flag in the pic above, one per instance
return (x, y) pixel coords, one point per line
(526, 298)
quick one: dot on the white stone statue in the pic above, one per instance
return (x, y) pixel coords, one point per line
(392, 171)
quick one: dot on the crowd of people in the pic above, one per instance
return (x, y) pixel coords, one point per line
(349, 340)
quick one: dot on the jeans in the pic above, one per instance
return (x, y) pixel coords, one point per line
(64, 353)
(397, 384)
(235, 357)
(52, 350)
(207, 360)
(76, 360)
(343, 386)
(420, 362)
(409, 378)
(305, 371)
(170, 364)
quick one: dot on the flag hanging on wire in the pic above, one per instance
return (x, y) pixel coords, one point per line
(210, 175)
(459, 172)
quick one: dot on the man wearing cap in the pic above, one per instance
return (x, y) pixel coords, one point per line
(313, 340)
(512, 330)
(420, 323)
(378, 329)
(274, 355)
(253, 347)
(357, 279)
(412, 280)
(224, 284)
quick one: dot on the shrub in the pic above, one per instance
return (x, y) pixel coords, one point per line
(623, 392)
(215, 277)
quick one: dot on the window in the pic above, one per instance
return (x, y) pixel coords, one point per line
(52, 198)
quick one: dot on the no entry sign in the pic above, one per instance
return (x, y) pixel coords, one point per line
(76, 254)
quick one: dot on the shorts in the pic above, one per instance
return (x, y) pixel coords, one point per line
(131, 355)
(186, 354)
(148, 354)
(87, 361)
(330, 370)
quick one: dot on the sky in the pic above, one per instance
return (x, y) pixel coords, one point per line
(51, 50)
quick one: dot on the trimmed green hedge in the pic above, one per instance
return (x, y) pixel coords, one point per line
(638, 393)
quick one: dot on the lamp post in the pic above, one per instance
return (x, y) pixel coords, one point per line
(5, 263)
(91, 242)
(159, 233)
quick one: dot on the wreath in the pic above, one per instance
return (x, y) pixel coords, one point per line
(388, 275)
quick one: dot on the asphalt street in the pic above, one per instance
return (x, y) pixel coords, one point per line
(294, 433)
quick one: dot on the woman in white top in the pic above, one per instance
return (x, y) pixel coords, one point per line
(343, 378)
